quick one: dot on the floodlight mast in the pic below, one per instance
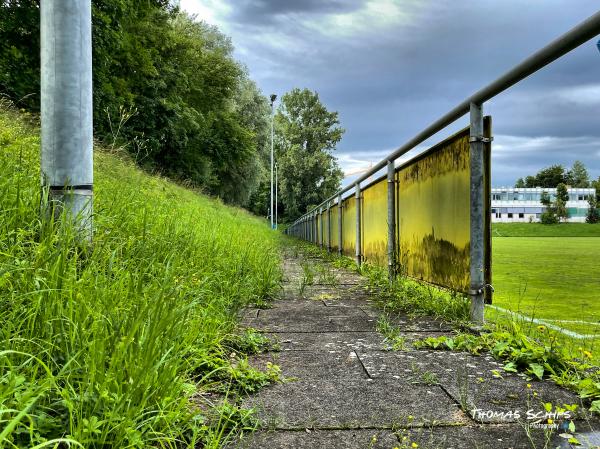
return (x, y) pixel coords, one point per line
(273, 98)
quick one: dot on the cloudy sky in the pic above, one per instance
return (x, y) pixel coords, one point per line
(392, 67)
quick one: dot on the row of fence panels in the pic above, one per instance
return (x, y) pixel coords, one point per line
(432, 217)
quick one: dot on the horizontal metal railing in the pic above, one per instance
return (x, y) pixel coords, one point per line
(309, 227)
(582, 33)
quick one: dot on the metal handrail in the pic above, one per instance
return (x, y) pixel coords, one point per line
(572, 39)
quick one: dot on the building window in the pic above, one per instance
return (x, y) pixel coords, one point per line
(496, 197)
(521, 215)
(510, 215)
(498, 215)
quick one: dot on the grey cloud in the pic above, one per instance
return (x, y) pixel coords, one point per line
(261, 12)
(388, 83)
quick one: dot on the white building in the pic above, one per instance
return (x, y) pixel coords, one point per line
(523, 205)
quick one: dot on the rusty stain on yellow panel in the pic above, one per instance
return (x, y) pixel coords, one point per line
(335, 238)
(349, 226)
(433, 215)
(374, 223)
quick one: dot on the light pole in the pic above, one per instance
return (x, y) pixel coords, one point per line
(276, 189)
(273, 98)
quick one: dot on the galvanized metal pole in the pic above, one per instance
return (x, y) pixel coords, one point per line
(67, 163)
(477, 200)
(272, 157)
(391, 210)
(358, 252)
(340, 228)
(276, 225)
(321, 234)
(329, 228)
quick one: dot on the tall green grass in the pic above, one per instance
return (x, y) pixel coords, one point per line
(114, 345)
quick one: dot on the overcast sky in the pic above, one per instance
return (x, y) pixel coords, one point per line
(392, 67)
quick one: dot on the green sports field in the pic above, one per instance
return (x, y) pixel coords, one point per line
(555, 278)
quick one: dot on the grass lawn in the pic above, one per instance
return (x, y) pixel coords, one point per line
(549, 278)
(540, 230)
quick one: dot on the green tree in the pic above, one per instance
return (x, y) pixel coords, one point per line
(560, 205)
(593, 214)
(578, 176)
(166, 87)
(550, 177)
(307, 134)
(520, 183)
(530, 181)
(549, 215)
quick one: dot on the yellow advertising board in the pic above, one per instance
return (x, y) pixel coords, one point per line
(433, 213)
(349, 226)
(335, 238)
(374, 223)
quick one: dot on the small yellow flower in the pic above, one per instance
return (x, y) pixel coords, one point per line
(535, 393)
(541, 328)
(588, 354)
(414, 445)
(550, 421)
(528, 385)
(410, 417)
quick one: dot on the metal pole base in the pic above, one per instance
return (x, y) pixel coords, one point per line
(74, 207)
(477, 308)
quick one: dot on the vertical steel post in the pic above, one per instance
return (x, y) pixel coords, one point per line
(358, 251)
(340, 229)
(321, 227)
(276, 225)
(391, 219)
(67, 162)
(329, 227)
(477, 203)
(272, 158)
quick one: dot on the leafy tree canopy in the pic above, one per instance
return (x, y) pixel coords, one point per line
(551, 177)
(166, 87)
(307, 134)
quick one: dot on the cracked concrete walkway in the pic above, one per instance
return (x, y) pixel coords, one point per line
(347, 389)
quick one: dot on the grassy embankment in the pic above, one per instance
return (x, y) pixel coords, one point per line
(116, 345)
(549, 272)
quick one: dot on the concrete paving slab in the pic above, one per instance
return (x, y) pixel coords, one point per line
(477, 437)
(472, 381)
(356, 303)
(405, 323)
(315, 319)
(313, 365)
(410, 365)
(353, 403)
(327, 341)
(341, 292)
(319, 439)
